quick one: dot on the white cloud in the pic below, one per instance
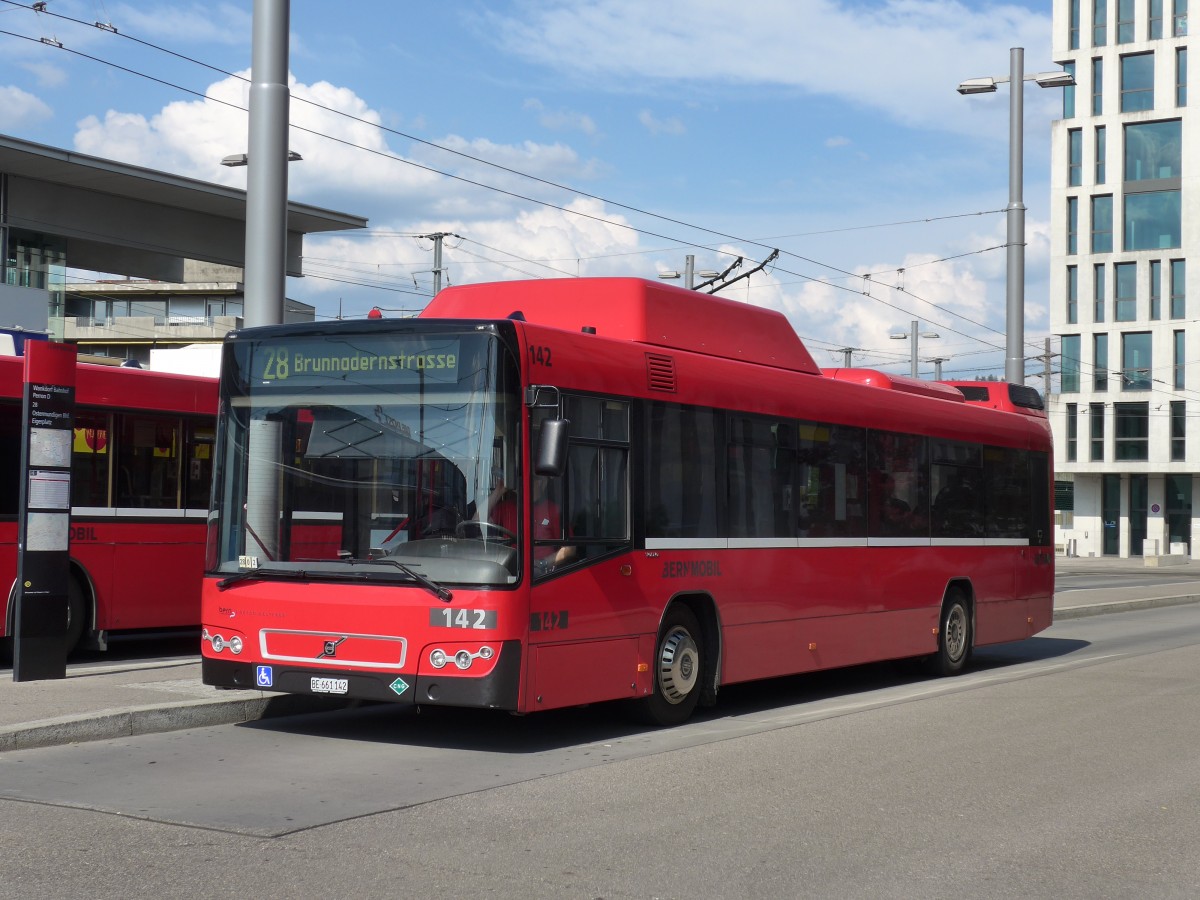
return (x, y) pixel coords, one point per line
(908, 55)
(48, 75)
(190, 137)
(655, 125)
(581, 239)
(347, 162)
(837, 141)
(561, 119)
(19, 108)
(185, 23)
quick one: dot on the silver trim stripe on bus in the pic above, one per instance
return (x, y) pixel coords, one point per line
(139, 512)
(324, 635)
(817, 543)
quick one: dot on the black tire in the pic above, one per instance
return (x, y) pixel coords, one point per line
(954, 636)
(678, 670)
(76, 614)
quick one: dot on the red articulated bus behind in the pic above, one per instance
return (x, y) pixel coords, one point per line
(552, 493)
(140, 482)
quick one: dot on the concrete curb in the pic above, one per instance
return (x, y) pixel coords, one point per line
(1100, 609)
(106, 724)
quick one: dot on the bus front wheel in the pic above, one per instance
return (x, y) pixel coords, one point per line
(954, 637)
(678, 667)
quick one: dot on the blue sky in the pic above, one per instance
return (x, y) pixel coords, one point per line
(811, 126)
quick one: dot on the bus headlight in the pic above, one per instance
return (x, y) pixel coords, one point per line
(462, 659)
(218, 642)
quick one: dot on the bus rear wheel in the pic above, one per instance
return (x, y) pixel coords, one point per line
(954, 637)
(678, 668)
(76, 614)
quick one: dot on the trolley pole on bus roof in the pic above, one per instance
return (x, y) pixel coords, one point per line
(267, 159)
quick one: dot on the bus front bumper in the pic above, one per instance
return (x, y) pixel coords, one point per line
(499, 689)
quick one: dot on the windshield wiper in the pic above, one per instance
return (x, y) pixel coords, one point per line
(424, 580)
(249, 574)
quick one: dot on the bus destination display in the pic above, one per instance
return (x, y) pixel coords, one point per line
(365, 360)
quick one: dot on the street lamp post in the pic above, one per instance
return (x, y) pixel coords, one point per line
(913, 336)
(689, 273)
(1014, 362)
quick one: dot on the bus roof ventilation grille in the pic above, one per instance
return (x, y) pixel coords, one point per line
(660, 369)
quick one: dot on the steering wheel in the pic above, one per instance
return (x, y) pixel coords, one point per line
(503, 534)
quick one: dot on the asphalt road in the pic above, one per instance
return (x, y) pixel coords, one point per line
(1064, 766)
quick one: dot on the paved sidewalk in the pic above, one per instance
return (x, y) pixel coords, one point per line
(97, 702)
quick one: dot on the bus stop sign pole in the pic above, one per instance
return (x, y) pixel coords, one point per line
(44, 529)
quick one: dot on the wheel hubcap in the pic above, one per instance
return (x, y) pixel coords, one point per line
(956, 632)
(678, 665)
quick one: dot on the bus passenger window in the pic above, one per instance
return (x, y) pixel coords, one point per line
(198, 449)
(148, 459)
(10, 458)
(899, 500)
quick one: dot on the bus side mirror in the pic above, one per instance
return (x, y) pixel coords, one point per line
(552, 448)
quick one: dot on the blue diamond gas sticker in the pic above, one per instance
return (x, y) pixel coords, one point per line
(399, 686)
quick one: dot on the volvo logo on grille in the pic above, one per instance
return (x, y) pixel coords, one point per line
(330, 649)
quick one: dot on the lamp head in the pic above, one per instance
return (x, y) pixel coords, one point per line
(1054, 79)
(978, 86)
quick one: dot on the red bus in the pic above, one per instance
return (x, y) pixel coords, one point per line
(1001, 395)
(140, 482)
(644, 492)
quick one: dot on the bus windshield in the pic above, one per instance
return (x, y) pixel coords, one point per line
(348, 452)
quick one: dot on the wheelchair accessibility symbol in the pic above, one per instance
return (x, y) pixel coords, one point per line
(264, 676)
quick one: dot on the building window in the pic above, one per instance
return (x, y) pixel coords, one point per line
(1072, 432)
(1099, 295)
(1181, 76)
(1100, 362)
(1137, 366)
(1072, 226)
(1096, 431)
(1153, 151)
(1180, 367)
(1097, 86)
(1178, 288)
(1155, 20)
(1068, 93)
(1073, 26)
(1137, 82)
(1179, 20)
(1131, 439)
(1102, 224)
(1075, 151)
(1152, 220)
(1070, 364)
(1124, 21)
(1101, 154)
(1125, 292)
(1064, 503)
(1100, 23)
(1155, 289)
(1178, 430)
(1072, 295)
